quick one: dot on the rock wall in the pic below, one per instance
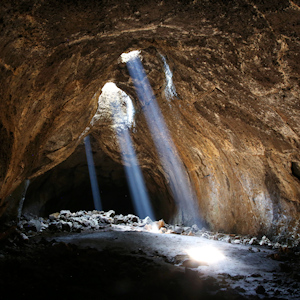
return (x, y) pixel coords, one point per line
(234, 119)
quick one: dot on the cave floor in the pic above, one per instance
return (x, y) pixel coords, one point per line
(118, 262)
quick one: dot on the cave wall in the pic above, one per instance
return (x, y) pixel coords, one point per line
(235, 118)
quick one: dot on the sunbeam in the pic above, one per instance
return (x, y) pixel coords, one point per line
(134, 176)
(92, 173)
(177, 176)
(123, 116)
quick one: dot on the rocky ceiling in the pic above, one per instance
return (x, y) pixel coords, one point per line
(235, 118)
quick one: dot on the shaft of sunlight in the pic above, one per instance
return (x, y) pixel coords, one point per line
(123, 116)
(92, 173)
(178, 178)
(134, 176)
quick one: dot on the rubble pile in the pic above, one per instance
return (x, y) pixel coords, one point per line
(67, 221)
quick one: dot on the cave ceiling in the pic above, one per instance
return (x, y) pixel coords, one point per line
(235, 117)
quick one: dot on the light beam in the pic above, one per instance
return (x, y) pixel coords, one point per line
(134, 176)
(178, 178)
(92, 173)
(123, 116)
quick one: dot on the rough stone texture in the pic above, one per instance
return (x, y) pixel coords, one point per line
(235, 120)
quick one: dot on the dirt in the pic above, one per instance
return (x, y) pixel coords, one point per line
(117, 262)
(50, 269)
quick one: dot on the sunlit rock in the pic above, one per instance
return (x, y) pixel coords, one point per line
(160, 224)
(234, 118)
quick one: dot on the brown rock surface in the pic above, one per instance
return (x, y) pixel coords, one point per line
(235, 120)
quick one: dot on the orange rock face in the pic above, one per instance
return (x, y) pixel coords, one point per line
(234, 117)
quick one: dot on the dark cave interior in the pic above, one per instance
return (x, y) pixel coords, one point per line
(226, 78)
(68, 186)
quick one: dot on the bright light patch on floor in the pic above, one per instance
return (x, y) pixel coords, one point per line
(207, 254)
(154, 228)
(125, 57)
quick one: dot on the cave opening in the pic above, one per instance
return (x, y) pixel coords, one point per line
(122, 114)
(67, 186)
(115, 183)
(118, 111)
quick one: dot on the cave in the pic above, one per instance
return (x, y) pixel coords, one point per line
(67, 186)
(211, 125)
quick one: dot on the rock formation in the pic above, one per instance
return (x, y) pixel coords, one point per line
(234, 117)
